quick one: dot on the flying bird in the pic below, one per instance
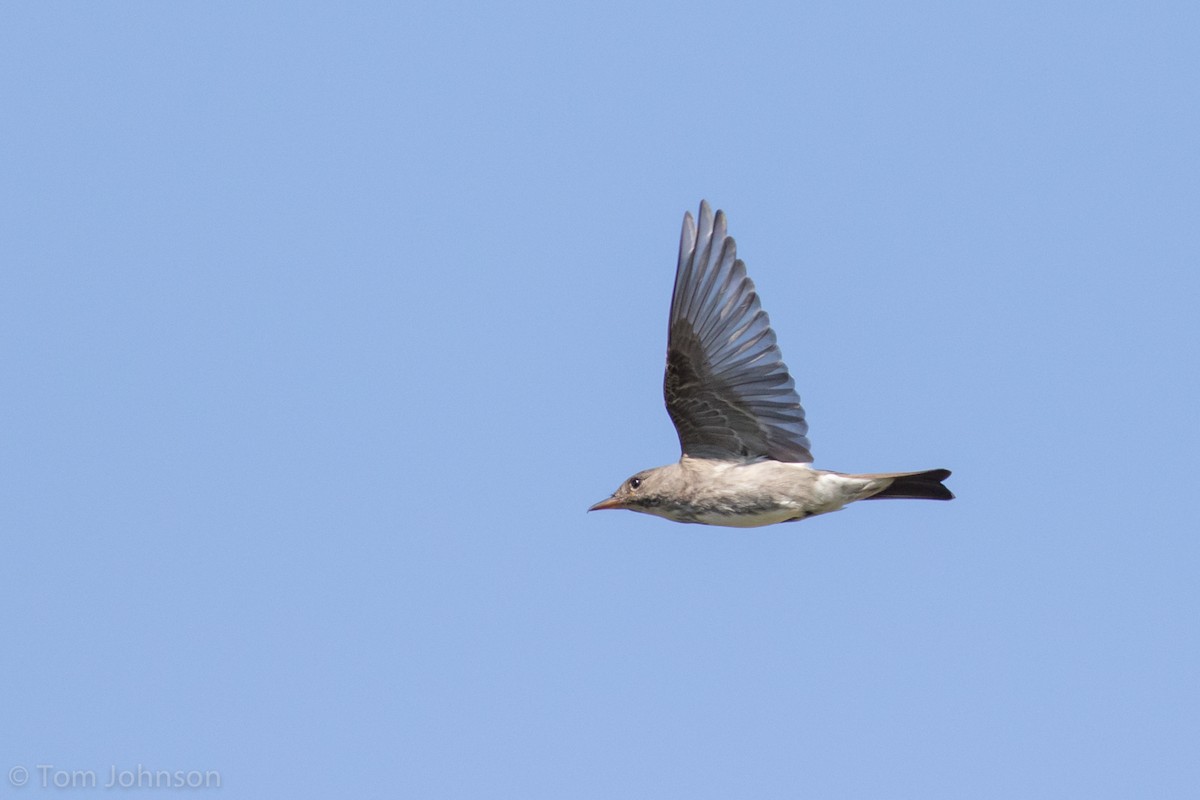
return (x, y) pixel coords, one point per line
(746, 460)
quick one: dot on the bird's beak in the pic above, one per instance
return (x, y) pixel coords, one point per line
(611, 502)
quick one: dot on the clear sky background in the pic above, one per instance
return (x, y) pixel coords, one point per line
(321, 325)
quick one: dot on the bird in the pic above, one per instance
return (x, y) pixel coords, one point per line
(746, 460)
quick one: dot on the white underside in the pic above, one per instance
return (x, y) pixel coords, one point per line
(780, 491)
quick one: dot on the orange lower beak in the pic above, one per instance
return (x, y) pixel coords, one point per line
(611, 502)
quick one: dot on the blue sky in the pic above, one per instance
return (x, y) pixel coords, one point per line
(322, 325)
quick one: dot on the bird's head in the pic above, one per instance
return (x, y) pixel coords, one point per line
(645, 492)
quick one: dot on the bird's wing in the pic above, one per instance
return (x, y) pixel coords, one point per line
(727, 389)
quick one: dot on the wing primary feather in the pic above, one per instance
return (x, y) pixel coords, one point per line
(710, 313)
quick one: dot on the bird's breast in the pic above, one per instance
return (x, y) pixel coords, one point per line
(749, 495)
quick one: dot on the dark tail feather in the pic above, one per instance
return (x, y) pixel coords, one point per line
(917, 485)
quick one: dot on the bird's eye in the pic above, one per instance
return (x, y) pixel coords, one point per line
(634, 483)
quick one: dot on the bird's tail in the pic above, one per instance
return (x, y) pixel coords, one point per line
(925, 485)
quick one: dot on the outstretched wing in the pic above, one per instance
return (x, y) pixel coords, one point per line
(727, 389)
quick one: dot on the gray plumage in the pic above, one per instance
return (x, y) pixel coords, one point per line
(742, 432)
(726, 386)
